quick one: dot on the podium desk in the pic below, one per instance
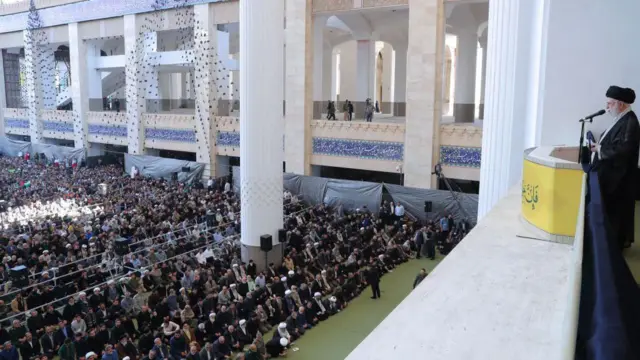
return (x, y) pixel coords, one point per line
(551, 187)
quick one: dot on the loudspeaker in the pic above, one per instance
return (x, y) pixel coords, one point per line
(19, 276)
(121, 246)
(428, 206)
(186, 169)
(174, 176)
(282, 236)
(266, 243)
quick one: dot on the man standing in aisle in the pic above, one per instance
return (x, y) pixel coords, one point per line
(615, 159)
(373, 279)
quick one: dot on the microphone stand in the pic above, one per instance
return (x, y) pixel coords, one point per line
(580, 146)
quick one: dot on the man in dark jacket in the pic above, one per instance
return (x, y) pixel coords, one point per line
(373, 279)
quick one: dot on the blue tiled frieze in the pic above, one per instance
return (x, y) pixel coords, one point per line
(57, 126)
(460, 156)
(228, 138)
(107, 130)
(379, 150)
(90, 10)
(182, 135)
(16, 123)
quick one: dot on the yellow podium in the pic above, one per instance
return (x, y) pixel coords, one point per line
(551, 188)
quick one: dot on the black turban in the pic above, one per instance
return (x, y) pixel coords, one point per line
(626, 95)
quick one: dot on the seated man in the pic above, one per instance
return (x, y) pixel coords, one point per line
(277, 347)
(221, 349)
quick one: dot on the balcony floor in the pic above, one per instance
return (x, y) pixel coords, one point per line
(497, 295)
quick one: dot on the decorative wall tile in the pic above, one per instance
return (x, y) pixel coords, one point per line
(57, 126)
(107, 130)
(182, 135)
(228, 138)
(16, 123)
(460, 156)
(379, 150)
(89, 10)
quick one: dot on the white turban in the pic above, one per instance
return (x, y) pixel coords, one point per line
(90, 354)
(284, 278)
(126, 358)
(282, 325)
(332, 299)
(235, 265)
(233, 286)
(201, 326)
(96, 290)
(317, 294)
(284, 342)
(291, 273)
(288, 292)
(212, 316)
(323, 272)
(242, 322)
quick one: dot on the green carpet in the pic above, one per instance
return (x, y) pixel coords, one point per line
(337, 336)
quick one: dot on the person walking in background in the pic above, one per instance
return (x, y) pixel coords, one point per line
(368, 110)
(377, 107)
(345, 110)
(116, 102)
(331, 110)
(421, 275)
(350, 110)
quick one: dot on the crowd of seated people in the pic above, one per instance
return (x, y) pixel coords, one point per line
(179, 297)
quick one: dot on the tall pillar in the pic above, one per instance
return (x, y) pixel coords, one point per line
(299, 89)
(261, 125)
(206, 85)
(334, 77)
(365, 72)
(483, 77)
(503, 127)
(32, 59)
(319, 22)
(93, 77)
(47, 69)
(327, 71)
(152, 96)
(400, 79)
(136, 70)
(78, 57)
(464, 107)
(424, 95)
(3, 93)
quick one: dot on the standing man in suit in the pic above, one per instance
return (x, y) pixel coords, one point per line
(373, 279)
(615, 159)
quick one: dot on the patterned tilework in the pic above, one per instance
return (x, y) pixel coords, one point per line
(88, 10)
(379, 150)
(107, 130)
(16, 123)
(57, 126)
(460, 156)
(228, 138)
(182, 135)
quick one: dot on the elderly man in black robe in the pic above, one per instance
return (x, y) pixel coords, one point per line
(615, 159)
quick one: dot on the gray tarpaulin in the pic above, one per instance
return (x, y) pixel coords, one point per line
(351, 195)
(312, 189)
(442, 202)
(14, 147)
(235, 172)
(158, 167)
(11, 147)
(58, 152)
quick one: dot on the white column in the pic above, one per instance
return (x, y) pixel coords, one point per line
(503, 126)
(365, 65)
(80, 85)
(3, 94)
(151, 80)
(299, 89)
(400, 80)
(206, 85)
(465, 93)
(327, 71)
(261, 125)
(424, 95)
(32, 58)
(93, 76)
(318, 57)
(334, 76)
(47, 68)
(484, 80)
(136, 70)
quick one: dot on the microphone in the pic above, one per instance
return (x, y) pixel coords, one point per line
(597, 113)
